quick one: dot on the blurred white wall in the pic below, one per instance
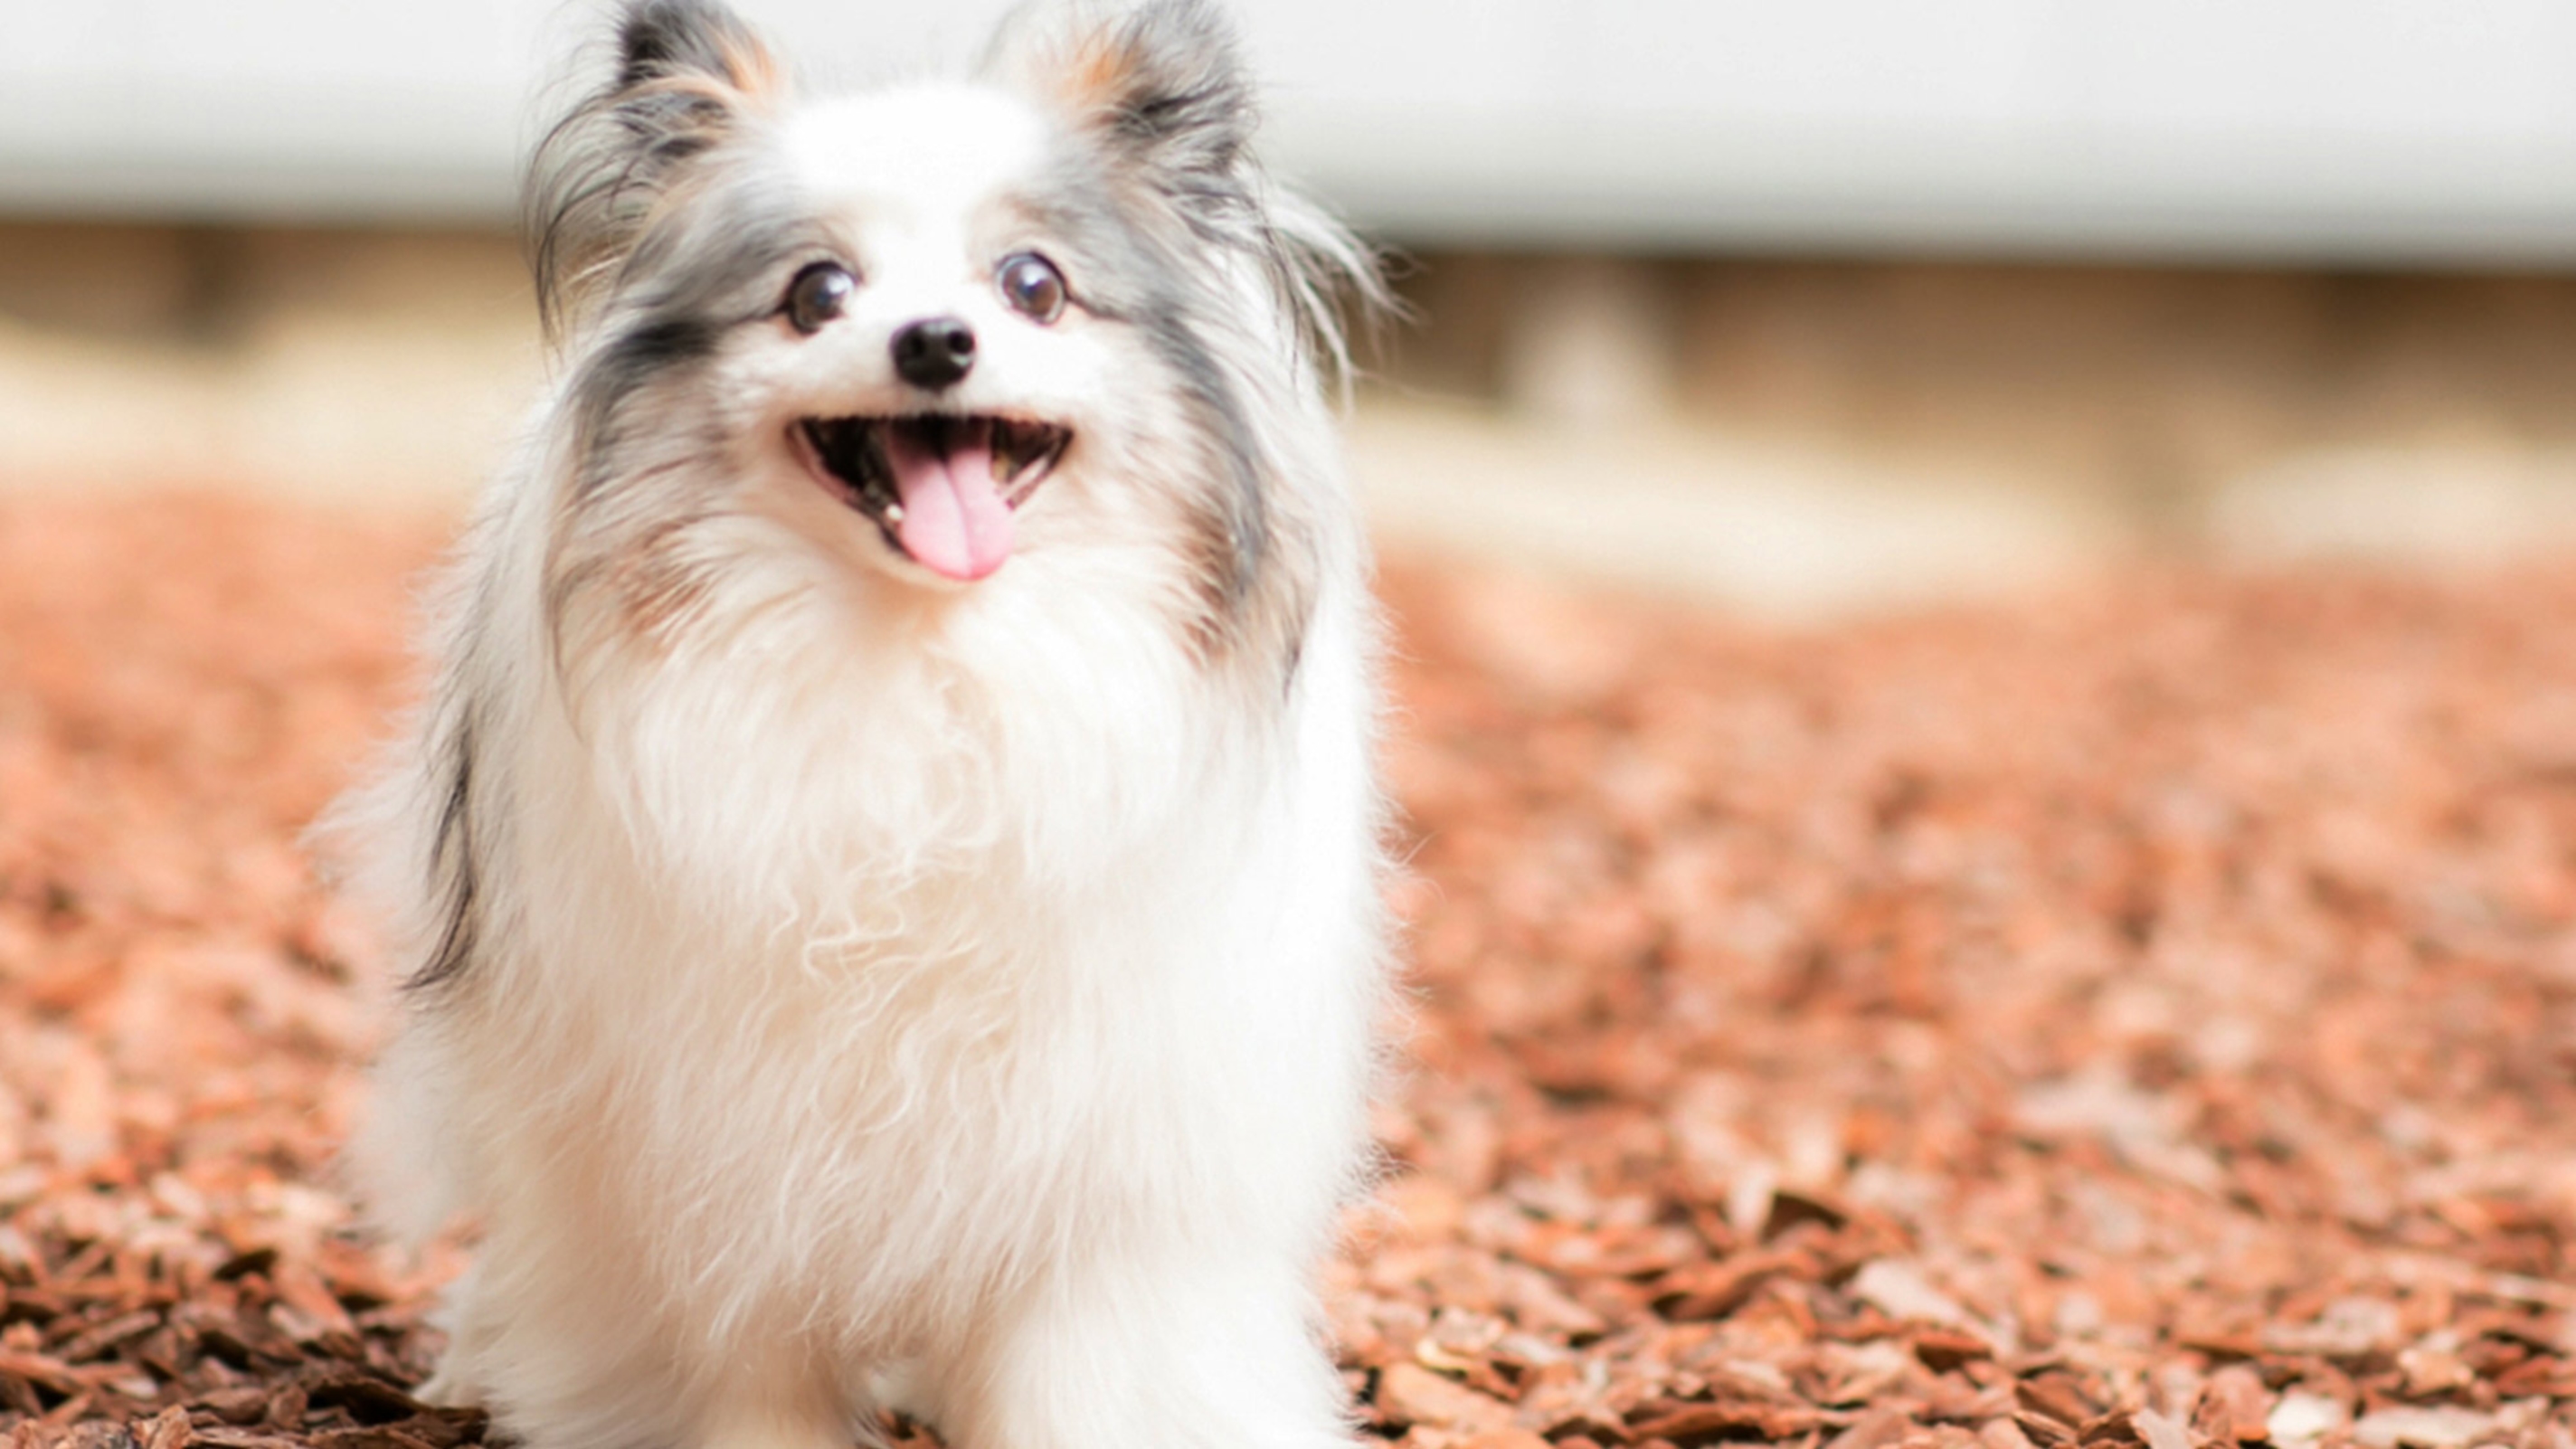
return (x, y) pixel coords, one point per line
(2323, 130)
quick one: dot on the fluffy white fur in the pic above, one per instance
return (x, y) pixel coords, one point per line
(842, 988)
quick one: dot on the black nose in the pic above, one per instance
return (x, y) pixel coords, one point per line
(934, 353)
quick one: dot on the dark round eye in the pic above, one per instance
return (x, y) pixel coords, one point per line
(1032, 285)
(817, 296)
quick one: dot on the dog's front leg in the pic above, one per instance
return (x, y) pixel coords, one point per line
(1127, 1355)
(756, 1411)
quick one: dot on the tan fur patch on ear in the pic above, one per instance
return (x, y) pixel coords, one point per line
(752, 79)
(1099, 76)
(752, 69)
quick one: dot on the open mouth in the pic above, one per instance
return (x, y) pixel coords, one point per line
(940, 486)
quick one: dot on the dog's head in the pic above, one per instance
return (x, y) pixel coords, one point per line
(1053, 308)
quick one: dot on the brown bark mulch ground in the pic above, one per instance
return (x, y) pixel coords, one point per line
(2146, 1018)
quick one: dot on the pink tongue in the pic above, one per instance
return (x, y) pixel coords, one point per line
(954, 520)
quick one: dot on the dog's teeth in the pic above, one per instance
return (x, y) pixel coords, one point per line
(894, 513)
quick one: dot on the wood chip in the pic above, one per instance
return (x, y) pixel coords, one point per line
(1415, 1395)
(2423, 1427)
(1689, 1425)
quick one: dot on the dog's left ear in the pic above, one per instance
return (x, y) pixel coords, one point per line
(1161, 89)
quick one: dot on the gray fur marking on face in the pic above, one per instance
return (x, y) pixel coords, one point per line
(719, 262)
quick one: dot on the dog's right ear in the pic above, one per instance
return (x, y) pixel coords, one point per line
(664, 39)
(1159, 88)
(689, 74)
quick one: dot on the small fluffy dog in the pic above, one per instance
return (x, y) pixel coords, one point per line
(889, 865)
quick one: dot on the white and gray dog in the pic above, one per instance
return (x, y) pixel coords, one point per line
(888, 868)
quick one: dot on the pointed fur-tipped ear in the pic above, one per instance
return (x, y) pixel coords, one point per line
(689, 73)
(1161, 87)
(667, 39)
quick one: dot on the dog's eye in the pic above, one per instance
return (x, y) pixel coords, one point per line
(1032, 285)
(817, 296)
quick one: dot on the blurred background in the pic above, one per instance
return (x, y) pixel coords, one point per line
(1805, 308)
